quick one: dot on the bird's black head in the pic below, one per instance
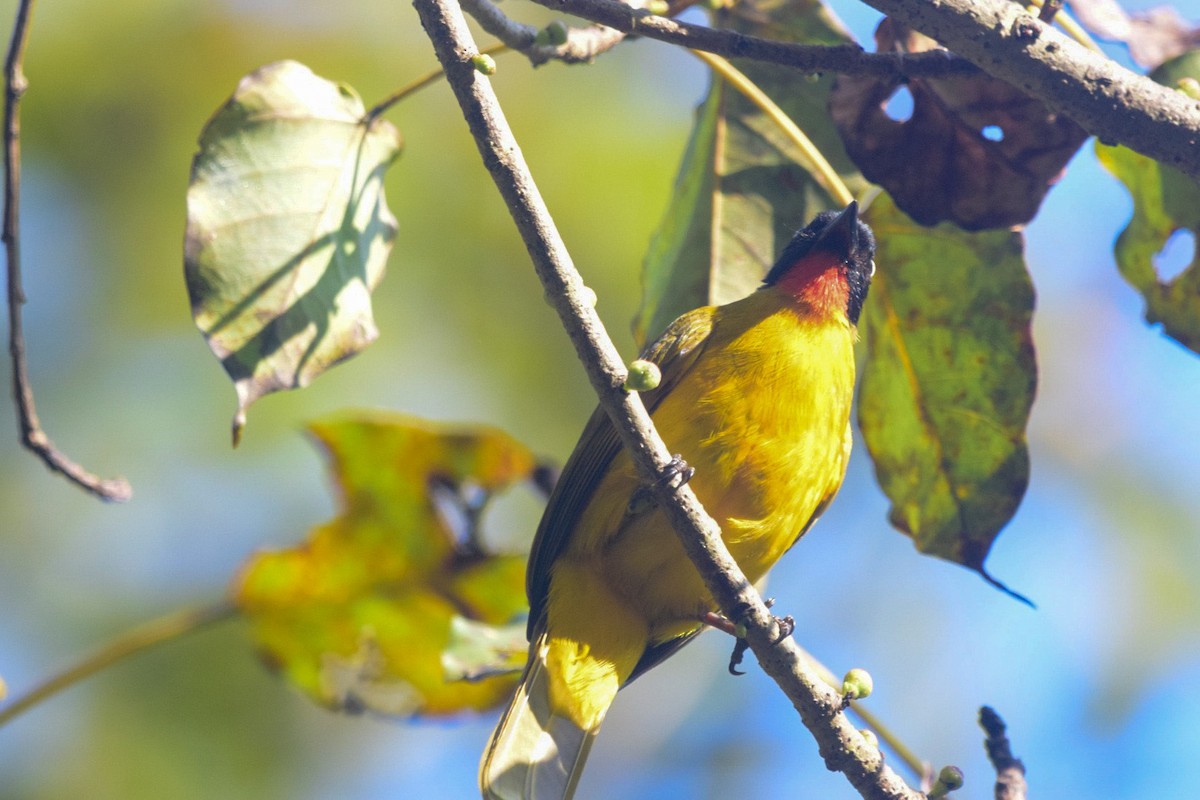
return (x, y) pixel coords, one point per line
(844, 237)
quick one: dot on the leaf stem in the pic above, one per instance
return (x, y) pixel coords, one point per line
(156, 631)
(821, 169)
(384, 105)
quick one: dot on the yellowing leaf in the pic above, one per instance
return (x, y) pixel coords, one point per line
(743, 188)
(360, 616)
(948, 382)
(1164, 201)
(288, 230)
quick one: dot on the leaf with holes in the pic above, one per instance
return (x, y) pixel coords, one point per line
(1164, 201)
(975, 151)
(948, 381)
(363, 614)
(743, 188)
(288, 230)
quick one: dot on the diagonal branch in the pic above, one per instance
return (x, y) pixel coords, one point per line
(820, 707)
(32, 435)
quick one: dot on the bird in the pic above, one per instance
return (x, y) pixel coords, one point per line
(756, 395)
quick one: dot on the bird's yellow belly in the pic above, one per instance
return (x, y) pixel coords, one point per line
(762, 471)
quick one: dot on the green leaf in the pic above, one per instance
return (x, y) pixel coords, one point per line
(362, 615)
(288, 230)
(1164, 201)
(743, 188)
(948, 382)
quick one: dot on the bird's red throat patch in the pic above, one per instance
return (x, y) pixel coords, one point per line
(818, 280)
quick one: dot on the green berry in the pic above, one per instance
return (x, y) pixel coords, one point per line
(643, 376)
(552, 35)
(857, 684)
(484, 64)
(659, 8)
(948, 780)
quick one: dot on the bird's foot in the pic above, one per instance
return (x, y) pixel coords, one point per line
(676, 473)
(787, 626)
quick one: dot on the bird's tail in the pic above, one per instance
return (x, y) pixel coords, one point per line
(534, 753)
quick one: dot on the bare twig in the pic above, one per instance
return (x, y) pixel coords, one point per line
(1010, 772)
(582, 45)
(32, 435)
(842, 746)
(155, 632)
(849, 59)
(1107, 100)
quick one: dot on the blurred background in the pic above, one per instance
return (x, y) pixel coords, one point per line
(1098, 685)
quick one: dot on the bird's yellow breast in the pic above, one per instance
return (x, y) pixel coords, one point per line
(763, 417)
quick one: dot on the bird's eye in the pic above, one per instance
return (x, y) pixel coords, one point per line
(872, 268)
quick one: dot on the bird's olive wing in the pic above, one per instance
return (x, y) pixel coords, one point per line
(674, 352)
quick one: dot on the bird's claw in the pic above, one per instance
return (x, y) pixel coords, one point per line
(787, 626)
(676, 473)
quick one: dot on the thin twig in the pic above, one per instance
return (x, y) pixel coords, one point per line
(32, 435)
(847, 59)
(156, 631)
(582, 45)
(842, 746)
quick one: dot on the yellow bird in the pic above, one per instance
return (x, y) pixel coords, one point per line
(756, 396)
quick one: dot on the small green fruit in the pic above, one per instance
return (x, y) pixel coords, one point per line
(552, 35)
(643, 376)
(857, 684)
(484, 64)
(659, 8)
(948, 780)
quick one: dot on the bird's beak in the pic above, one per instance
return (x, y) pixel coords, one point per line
(841, 235)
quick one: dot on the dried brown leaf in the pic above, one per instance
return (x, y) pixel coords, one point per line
(975, 151)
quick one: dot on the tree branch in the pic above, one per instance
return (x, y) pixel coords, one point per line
(848, 59)
(820, 707)
(32, 435)
(1107, 100)
(582, 45)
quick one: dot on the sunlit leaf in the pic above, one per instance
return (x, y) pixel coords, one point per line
(359, 616)
(478, 650)
(1164, 201)
(288, 230)
(975, 150)
(948, 381)
(743, 188)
